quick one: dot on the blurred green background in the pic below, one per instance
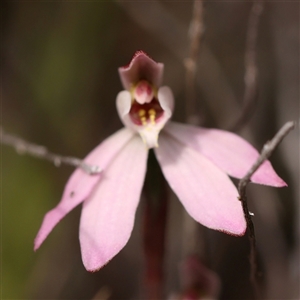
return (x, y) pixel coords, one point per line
(59, 77)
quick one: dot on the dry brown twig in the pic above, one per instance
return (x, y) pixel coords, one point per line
(190, 63)
(191, 243)
(24, 147)
(266, 152)
(251, 88)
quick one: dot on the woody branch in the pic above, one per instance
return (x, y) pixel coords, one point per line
(24, 147)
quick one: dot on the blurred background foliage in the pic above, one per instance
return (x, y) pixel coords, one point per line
(59, 75)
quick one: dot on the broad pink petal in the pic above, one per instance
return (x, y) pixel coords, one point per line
(108, 215)
(141, 67)
(80, 184)
(228, 151)
(205, 191)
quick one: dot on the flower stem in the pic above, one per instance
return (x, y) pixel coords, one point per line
(154, 232)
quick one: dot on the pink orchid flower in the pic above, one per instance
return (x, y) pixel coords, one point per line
(195, 161)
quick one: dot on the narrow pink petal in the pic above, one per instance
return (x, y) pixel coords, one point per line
(80, 184)
(228, 151)
(108, 215)
(205, 191)
(141, 67)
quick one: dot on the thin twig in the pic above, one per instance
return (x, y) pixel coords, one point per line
(191, 229)
(24, 147)
(190, 63)
(251, 89)
(266, 152)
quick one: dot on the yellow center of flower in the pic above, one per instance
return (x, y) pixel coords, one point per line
(145, 109)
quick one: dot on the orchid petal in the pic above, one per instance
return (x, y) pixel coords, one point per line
(205, 191)
(228, 151)
(123, 103)
(141, 67)
(108, 215)
(166, 101)
(80, 184)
